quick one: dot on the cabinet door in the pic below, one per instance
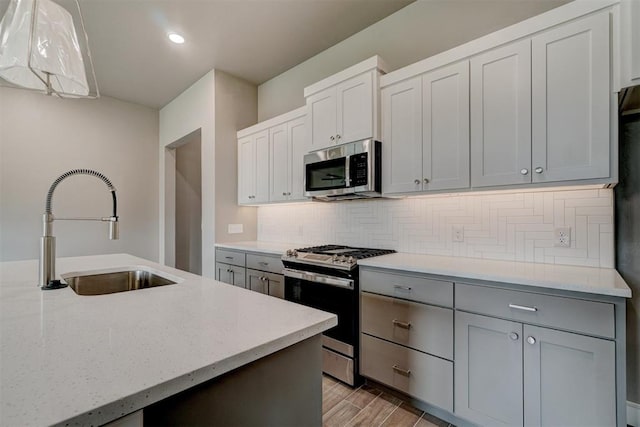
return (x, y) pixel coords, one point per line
(230, 274)
(299, 147)
(246, 170)
(321, 116)
(501, 116)
(262, 167)
(570, 66)
(488, 370)
(354, 99)
(402, 136)
(569, 379)
(276, 285)
(280, 168)
(257, 281)
(445, 121)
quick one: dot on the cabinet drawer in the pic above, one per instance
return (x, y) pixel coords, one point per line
(589, 317)
(231, 274)
(424, 327)
(230, 257)
(414, 288)
(272, 264)
(420, 375)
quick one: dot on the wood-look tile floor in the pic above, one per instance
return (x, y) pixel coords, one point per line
(367, 406)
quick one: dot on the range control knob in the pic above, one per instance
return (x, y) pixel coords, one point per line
(351, 260)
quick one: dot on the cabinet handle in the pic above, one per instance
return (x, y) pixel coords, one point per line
(402, 288)
(400, 324)
(416, 182)
(284, 194)
(338, 137)
(263, 263)
(523, 308)
(531, 340)
(332, 138)
(228, 257)
(405, 372)
(426, 180)
(524, 171)
(513, 336)
(539, 169)
(288, 194)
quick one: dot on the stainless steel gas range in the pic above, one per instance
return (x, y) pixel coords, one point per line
(326, 278)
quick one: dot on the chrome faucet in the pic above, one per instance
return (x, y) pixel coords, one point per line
(47, 271)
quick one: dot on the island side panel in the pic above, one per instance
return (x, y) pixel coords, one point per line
(284, 388)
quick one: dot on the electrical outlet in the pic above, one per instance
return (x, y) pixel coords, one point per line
(458, 233)
(234, 228)
(562, 237)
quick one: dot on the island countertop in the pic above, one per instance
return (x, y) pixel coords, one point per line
(79, 360)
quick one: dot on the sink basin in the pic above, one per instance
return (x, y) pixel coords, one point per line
(120, 280)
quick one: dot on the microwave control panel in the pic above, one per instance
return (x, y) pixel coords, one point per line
(359, 169)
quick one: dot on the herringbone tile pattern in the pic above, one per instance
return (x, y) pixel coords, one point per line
(515, 226)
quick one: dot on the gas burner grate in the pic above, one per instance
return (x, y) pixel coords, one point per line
(357, 253)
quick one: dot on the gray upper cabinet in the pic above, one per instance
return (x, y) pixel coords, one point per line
(488, 370)
(569, 379)
(426, 132)
(501, 116)
(571, 117)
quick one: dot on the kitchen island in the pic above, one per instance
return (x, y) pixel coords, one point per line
(79, 360)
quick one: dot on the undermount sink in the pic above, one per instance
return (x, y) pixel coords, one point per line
(120, 280)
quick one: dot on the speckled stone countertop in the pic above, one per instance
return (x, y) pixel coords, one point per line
(80, 360)
(270, 248)
(600, 281)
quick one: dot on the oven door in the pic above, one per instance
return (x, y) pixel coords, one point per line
(335, 295)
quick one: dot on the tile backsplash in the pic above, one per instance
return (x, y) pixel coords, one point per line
(506, 226)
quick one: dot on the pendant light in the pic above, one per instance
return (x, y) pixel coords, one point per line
(40, 50)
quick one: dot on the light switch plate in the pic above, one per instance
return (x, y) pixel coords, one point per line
(235, 228)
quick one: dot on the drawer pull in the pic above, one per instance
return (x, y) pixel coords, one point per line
(263, 263)
(228, 257)
(523, 308)
(405, 372)
(402, 288)
(400, 324)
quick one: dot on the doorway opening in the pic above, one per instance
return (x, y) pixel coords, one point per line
(183, 203)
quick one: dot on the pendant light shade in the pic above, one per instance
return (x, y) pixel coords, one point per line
(39, 49)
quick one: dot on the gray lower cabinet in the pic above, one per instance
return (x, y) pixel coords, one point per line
(512, 374)
(231, 274)
(266, 283)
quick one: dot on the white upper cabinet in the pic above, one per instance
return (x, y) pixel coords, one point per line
(270, 160)
(402, 137)
(501, 116)
(253, 163)
(571, 89)
(630, 43)
(445, 124)
(426, 132)
(344, 107)
(280, 163)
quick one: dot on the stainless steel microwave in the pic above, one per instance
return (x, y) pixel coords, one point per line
(344, 172)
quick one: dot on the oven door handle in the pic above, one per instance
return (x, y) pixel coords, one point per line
(318, 278)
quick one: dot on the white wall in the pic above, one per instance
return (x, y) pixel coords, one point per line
(236, 108)
(415, 32)
(217, 117)
(499, 225)
(42, 137)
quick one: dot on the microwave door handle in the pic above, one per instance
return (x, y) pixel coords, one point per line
(347, 171)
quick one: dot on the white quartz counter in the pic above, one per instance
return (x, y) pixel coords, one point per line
(270, 248)
(601, 281)
(83, 360)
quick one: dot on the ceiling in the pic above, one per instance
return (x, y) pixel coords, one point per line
(251, 39)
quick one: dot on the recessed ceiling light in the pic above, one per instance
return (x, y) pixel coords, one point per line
(176, 38)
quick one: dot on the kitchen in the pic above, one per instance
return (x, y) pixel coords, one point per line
(516, 225)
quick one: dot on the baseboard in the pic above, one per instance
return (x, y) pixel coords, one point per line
(633, 414)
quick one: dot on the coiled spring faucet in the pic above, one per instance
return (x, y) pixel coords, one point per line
(48, 241)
